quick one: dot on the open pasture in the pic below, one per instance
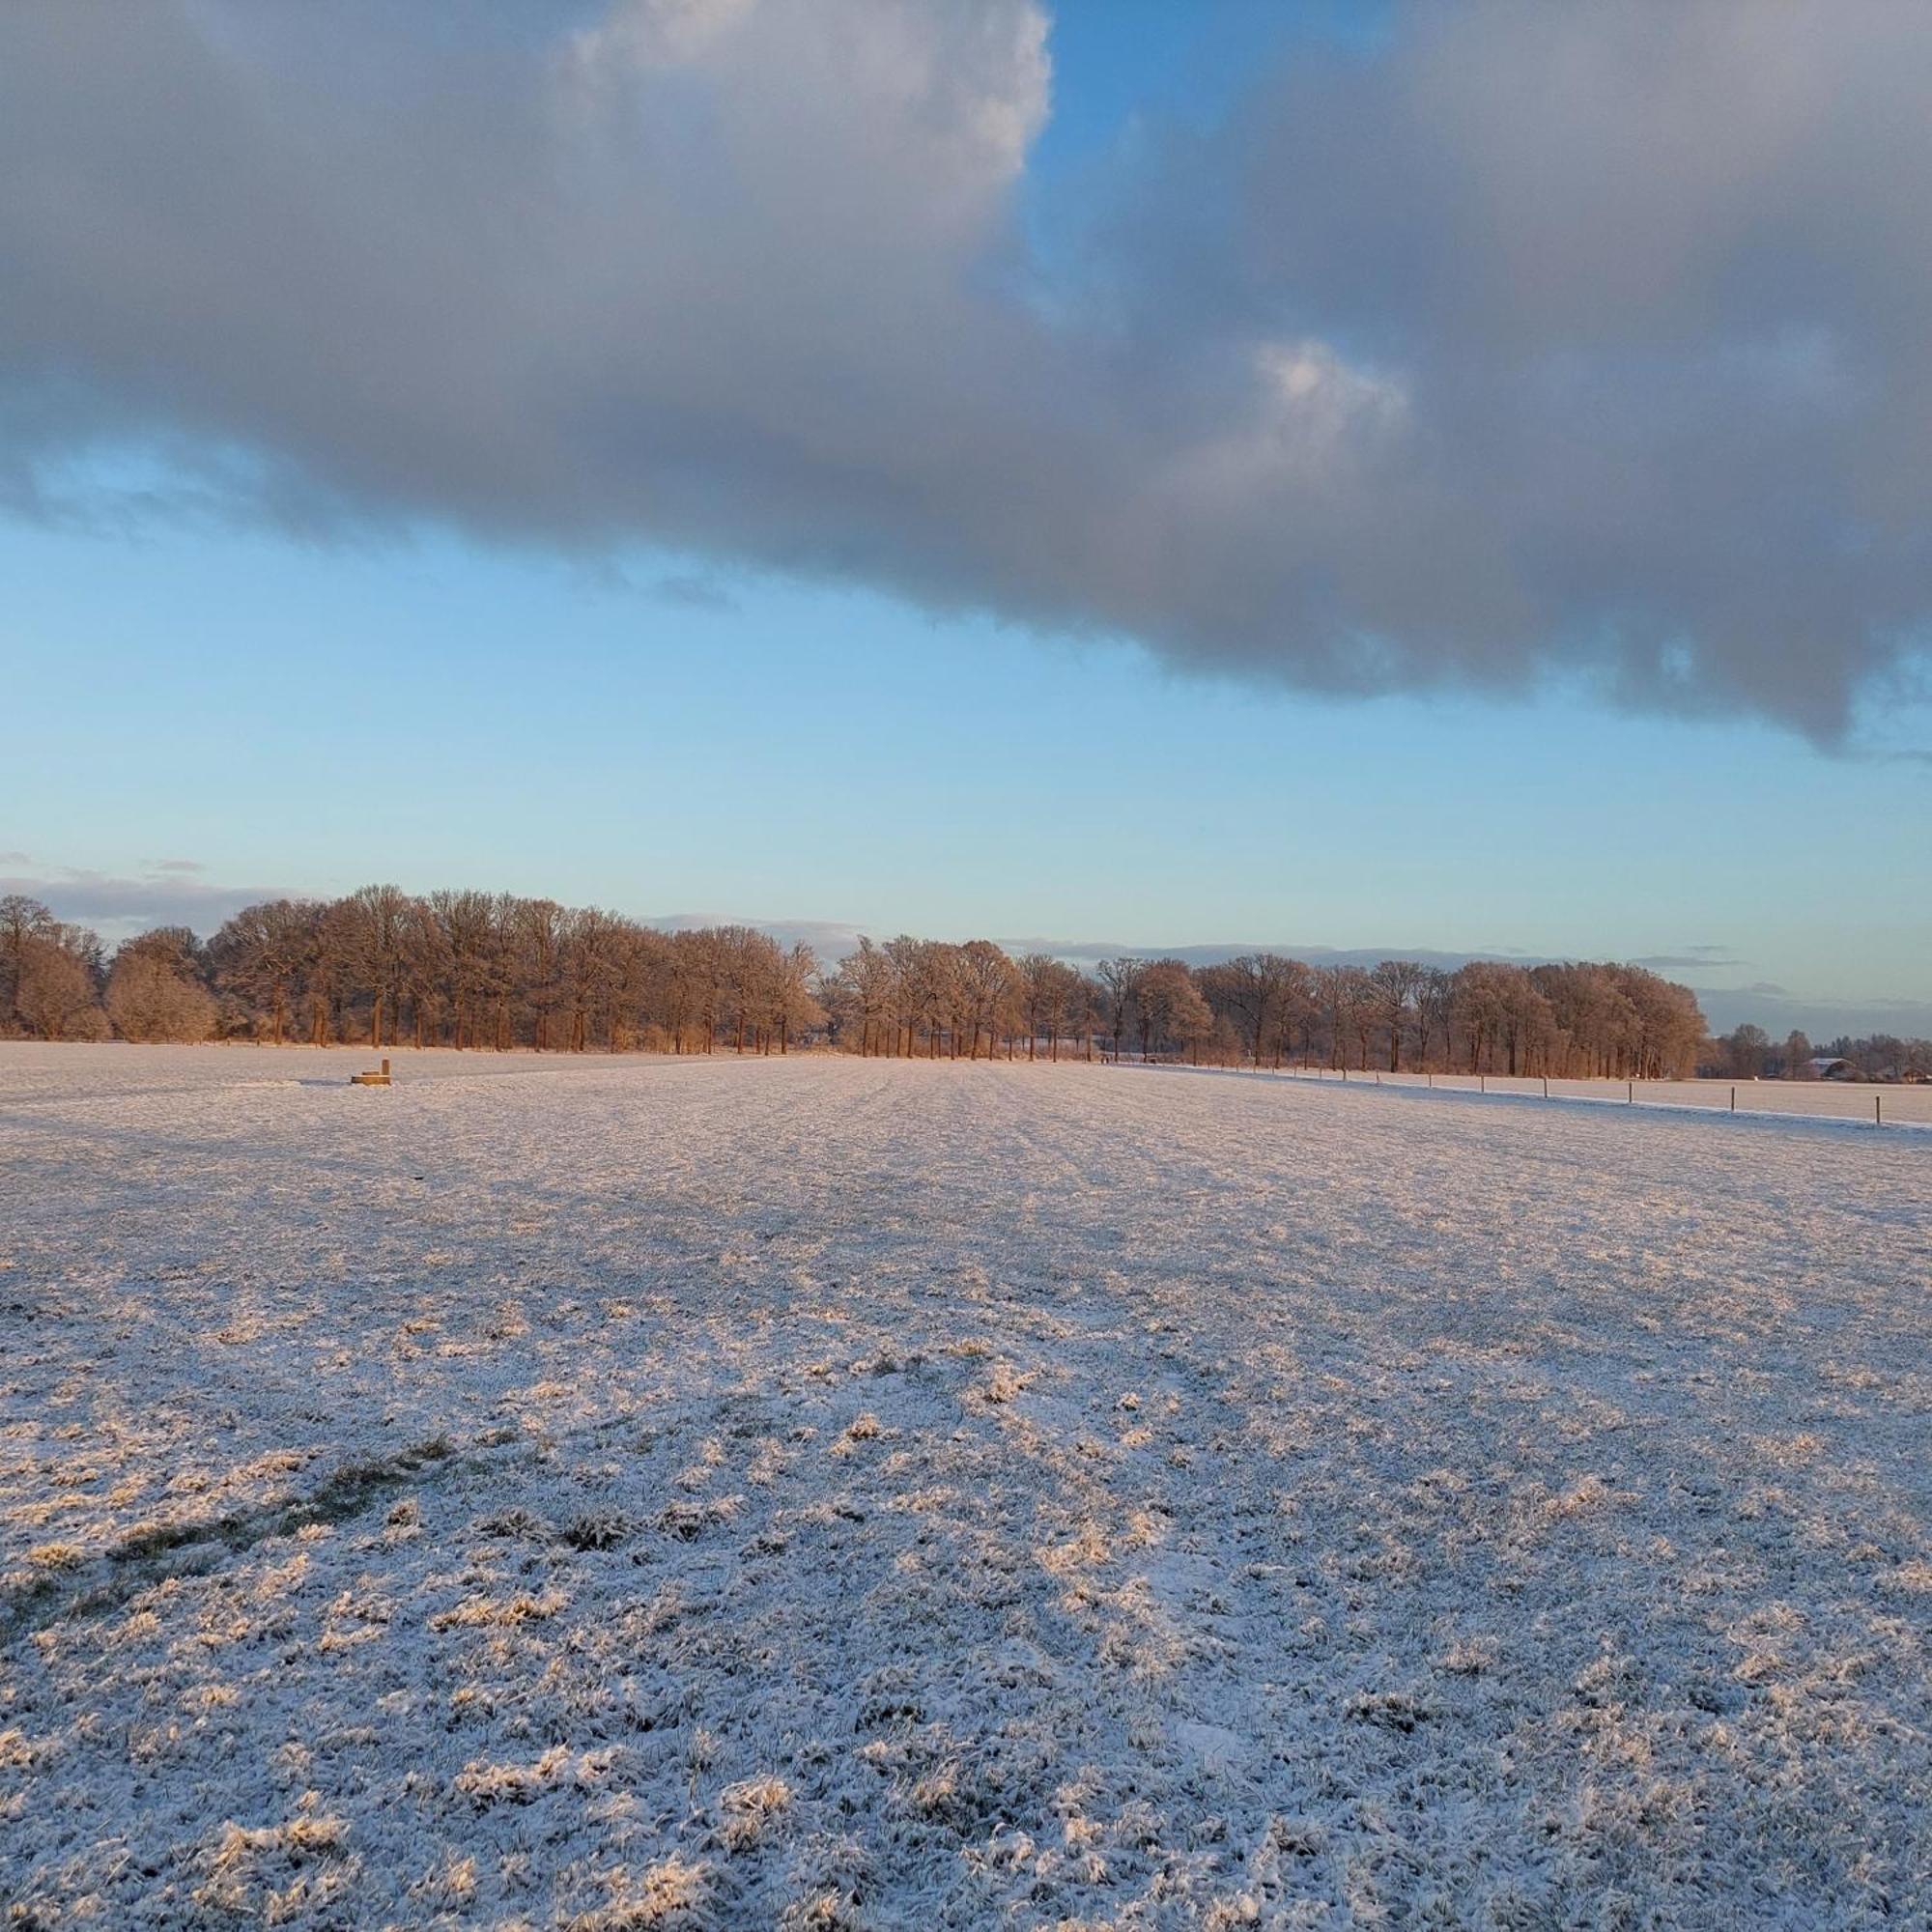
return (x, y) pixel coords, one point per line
(815, 1492)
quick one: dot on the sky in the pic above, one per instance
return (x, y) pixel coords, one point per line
(1380, 478)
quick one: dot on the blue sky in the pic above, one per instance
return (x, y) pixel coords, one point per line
(200, 704)
(309, 718)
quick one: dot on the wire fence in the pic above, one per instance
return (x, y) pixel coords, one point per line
(1845, 1101)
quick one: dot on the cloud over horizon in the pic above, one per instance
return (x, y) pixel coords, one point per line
(1530, 343)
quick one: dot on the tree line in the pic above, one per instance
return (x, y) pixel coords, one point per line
(484, 971)
(1749, 1053)
(387, 967)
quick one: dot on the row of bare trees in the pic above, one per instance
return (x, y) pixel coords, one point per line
(458, 969)
(468, 969)
(1567, 1020)
(924, 996)
(480, 970)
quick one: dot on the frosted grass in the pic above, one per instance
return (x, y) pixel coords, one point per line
(819, 1491)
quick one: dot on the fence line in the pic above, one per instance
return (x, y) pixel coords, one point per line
(1905, 1107)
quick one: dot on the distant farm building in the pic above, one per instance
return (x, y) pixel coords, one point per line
(1828, 1068)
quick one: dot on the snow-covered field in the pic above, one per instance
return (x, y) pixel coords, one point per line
(815, 1491)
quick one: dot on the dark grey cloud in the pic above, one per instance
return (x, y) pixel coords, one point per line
(1688, 959)
(1539, 341)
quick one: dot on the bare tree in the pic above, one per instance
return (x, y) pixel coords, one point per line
(1173, 1014)
(796, 1009)
(1039, 996)
(876, 979)
(1079, 1009)
(906, 956)
(1357, 1008)
(425, 968)
(1435, 1006)
(373, 934)
(1396, 983)
(1262, 995)
(986, 983)
(592, 961)
(1744, 1049)
(939, 995)
(463, 937)
(1120, 983)
(1480, 998)
(261, 955)
(538, 932)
